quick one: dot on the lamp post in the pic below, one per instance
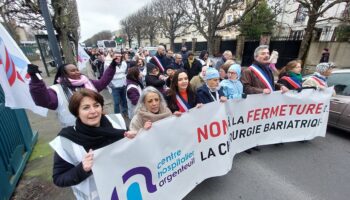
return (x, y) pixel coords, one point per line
(50, 32)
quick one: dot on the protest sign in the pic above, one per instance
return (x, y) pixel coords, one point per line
(177, 153)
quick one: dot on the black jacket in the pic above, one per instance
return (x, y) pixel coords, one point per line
(178, 66)
(152, 80)
(194, 70)
(204, 96)
(65, 174)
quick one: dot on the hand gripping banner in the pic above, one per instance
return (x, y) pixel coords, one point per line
(177, 153)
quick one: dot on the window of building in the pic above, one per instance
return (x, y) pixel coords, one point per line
(229, 18)
(326, 30)
(296, 35)
(301, 14)
(327, 33)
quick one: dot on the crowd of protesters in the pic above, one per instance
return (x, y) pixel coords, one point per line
(149, 88)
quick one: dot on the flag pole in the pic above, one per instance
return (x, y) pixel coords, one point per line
(50, 32)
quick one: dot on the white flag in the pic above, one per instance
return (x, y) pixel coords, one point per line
(14, 79)
(83, 57)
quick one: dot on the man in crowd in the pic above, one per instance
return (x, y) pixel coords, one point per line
(258, 77)
(159, 59)
(169, 58)
(184, 53)
(227, 55)
(192, 66)
(178, 64)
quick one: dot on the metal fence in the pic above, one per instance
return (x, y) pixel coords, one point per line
(16, 144)
(30, 50)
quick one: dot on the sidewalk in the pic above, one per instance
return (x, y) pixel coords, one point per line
(36, 181)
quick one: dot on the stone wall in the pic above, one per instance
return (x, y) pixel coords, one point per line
(339, 53)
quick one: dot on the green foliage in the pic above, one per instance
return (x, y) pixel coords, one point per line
(259, 21)
(41, 150)
(343, 33)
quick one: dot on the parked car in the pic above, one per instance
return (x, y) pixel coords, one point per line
(339, 113)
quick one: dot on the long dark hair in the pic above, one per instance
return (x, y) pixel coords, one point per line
(133, 74)
(62, 75)
(174, 88)
(201, 56)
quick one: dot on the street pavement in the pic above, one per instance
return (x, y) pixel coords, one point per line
(318, 170)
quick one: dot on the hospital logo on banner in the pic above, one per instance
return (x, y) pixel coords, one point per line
(134, 191)
(164, 173)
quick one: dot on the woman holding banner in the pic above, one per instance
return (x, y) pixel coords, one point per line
(319, 78)
(150, 108)
(67, 80)
(180, 97)
(74, 145)
(290, 75)
(211, 91)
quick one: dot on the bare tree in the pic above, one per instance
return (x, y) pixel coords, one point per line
(65, 18)
(137, 25)
(66, 23)
(15, 14)
(128, 29)
(208, 16)
(316, 10)
(171, 17)
(150, 25)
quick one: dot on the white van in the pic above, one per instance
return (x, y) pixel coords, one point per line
(106, 44)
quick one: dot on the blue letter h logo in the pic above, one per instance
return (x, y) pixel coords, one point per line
(134, 191)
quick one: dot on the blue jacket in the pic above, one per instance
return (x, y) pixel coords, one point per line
(232, 89)
(204, 96)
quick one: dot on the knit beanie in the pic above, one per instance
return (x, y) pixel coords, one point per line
(235, 68)
(211, 73)
(150, 67)
(323, 67)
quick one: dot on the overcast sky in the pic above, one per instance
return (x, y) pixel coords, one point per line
(99, 15)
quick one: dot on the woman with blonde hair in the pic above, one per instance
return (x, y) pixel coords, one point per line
(290, 75)
(150, 108)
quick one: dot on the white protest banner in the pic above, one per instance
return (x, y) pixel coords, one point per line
(177, 153)
(83, 57)
(14, 79)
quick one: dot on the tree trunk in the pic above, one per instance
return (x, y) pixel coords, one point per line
(213, 44)
(130, 41)
(210, 44)
(151, 41)
(139, 38)
(305, 43)
(172, 42)
(67, 48)
(67, 23)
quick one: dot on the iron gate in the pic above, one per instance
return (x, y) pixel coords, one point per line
(16, 144)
